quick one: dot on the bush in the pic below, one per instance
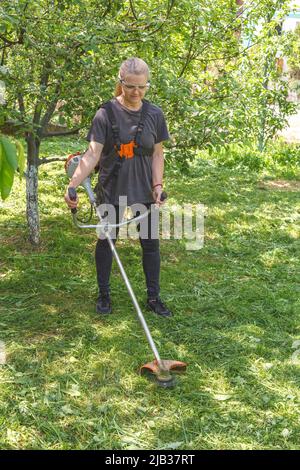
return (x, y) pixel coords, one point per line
(279, 159)
(237, 155)
(285, 154)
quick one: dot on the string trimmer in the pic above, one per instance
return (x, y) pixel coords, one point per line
(160, 369)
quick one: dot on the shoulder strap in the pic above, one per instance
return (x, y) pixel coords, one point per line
(141, 124)
(115, 130)
(140, 128)
(111, 117)
(117, 143)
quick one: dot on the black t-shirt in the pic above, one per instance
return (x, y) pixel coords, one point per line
(135, 176)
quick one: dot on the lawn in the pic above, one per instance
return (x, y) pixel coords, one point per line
(70, 380)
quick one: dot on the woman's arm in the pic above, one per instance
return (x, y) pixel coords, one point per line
(157, 171)
(84, 169)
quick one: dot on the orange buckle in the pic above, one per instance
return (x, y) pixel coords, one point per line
(126, 150)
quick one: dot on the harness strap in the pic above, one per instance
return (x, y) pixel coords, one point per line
(125, 150)
(116, 133)
(140, 127)
(115, 130)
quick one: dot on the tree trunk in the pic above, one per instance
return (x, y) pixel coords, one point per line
(32, 207)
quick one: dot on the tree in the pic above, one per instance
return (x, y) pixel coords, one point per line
(212, 74)
(64, 54)
(51, 50)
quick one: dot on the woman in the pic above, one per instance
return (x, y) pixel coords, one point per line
(139, 176)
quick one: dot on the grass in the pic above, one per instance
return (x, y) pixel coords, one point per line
(71, 381)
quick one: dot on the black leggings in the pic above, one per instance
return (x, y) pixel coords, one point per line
(151, 256)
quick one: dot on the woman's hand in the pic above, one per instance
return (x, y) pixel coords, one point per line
(71, 204)
(157, 194)
(86, 165)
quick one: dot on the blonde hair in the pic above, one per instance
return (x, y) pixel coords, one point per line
(135, 66)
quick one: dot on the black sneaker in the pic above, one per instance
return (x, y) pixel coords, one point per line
(157, 306)
(103, 305)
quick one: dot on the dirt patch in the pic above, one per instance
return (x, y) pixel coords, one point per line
(280, 185)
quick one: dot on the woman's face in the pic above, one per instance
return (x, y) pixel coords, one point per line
(134, 88)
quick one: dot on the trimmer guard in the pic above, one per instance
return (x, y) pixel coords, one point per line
(169, 365)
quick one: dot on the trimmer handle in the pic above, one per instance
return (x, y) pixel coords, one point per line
(73, 196)
(163, 196)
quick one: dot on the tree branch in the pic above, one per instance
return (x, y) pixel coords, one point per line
(148, 26)
(37, 113)
(51, 108)
(48, 114)
(47, 135)
(133, 9)
(21, 104)
(39, 106)
(170, 6)
(3, 56)
(108, 8)
(14, 128)
(8, 41)
(42, 161)
(189, 54)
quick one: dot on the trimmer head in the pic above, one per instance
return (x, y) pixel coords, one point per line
(163, 376)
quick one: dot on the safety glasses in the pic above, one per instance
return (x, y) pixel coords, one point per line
(129, 86)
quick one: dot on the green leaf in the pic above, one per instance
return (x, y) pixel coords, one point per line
(6, 176)
(1, 156)
(10, 153)
(61, 120)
